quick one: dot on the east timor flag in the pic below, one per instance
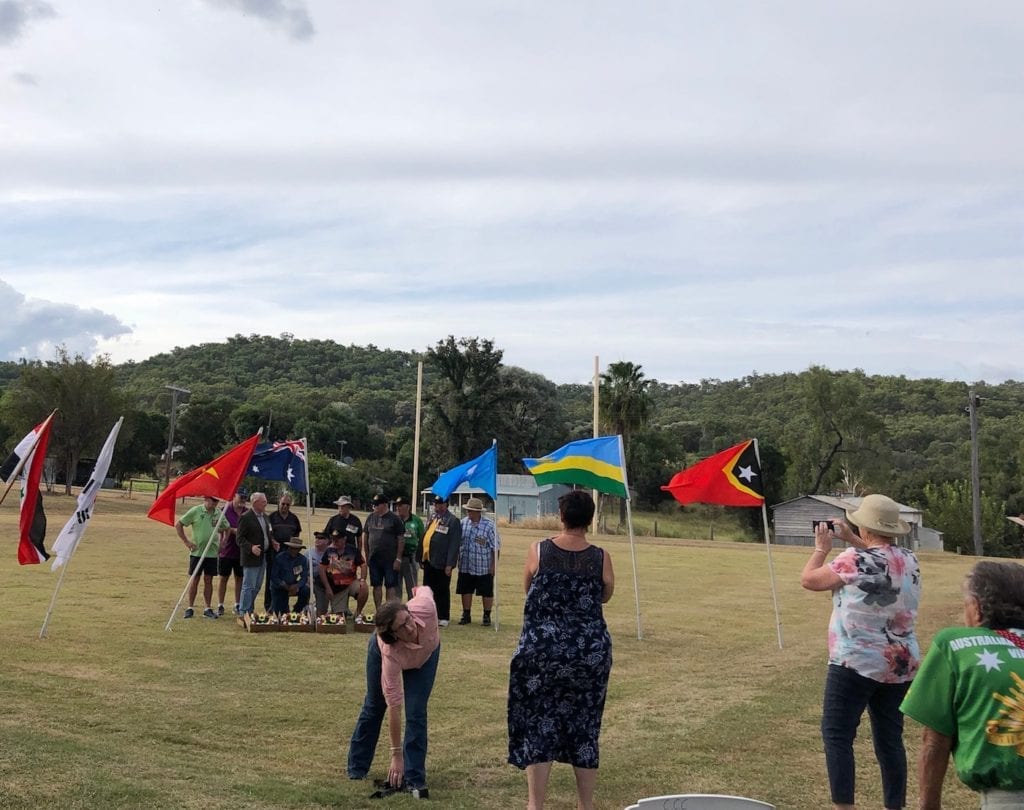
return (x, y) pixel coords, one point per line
(729, 478)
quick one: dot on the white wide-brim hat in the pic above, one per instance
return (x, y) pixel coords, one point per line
(879, 514)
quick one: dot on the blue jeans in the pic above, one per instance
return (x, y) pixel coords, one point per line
(280, 598)
(418, 684)
(847, 694)
(252, 579)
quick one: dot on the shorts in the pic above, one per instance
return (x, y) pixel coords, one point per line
(209, 565)
(226, 566)
(480, 584)
(382, 571)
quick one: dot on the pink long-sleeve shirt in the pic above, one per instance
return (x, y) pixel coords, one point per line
(405, 654)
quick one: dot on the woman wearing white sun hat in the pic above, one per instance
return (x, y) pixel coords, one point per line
(873, 650)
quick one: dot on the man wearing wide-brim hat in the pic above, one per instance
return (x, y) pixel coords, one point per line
(478, 555)
(344, 523)
(289, 578)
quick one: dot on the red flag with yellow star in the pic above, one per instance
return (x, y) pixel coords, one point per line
(729, 478)
(219, 479)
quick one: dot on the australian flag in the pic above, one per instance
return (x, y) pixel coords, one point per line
(281, 461)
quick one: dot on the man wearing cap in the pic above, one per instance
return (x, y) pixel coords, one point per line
(284, 525)
(202, 549)
(228, 561)
(253, 538)
(413, 536)
(290, 577)
(344, 524)
(439, 554)
(478, 555)
(383, 544)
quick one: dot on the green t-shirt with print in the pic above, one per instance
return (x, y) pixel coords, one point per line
(971, 687)
(413, 533)
(201, 522)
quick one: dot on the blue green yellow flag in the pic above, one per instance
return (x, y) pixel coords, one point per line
(589, 463)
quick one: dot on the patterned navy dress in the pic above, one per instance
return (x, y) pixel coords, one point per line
(559, 673)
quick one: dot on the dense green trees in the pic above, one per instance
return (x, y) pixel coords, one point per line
(819, 430)
(87, 399)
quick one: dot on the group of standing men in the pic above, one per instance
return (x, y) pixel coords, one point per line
(348, 558)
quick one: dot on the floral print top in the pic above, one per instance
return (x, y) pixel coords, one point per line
(873, 613)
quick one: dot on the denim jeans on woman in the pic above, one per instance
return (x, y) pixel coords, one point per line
(847, 694)
(417, 685)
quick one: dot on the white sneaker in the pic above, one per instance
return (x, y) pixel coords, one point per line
(442, 622)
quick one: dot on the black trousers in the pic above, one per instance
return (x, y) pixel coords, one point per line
(441, 584)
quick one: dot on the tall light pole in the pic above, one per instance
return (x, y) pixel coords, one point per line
(973, 401)
(341, 450)
(175, 390)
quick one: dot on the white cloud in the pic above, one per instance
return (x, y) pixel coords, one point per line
(33, 327)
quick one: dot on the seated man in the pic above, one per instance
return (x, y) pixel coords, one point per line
(289, 577)
(315, 554)
(343, 574)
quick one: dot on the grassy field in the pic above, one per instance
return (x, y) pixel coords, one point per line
(112, 711)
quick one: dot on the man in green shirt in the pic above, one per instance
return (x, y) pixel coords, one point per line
(202, 548)
(413, 538)
(969, 693)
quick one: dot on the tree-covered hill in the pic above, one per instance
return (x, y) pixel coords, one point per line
(819, 430)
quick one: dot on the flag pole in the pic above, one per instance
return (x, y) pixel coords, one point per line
(768, 546)
(199, 564)
(416, 439)
(56, 590)
(632, 541)
(497, 550)
(311, 606)
(24, 459)
(597, 409)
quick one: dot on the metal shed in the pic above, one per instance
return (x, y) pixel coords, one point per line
(793, 520)
(519, 497)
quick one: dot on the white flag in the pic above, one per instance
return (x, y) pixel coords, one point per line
(66, 542)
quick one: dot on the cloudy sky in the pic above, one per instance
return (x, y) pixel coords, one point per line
(706, 188)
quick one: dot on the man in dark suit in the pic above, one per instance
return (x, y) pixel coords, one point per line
(440, 555)
(254, 540)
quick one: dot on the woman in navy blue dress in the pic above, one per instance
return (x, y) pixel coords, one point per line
(559, 672)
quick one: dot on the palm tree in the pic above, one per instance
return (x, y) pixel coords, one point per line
(626, 405)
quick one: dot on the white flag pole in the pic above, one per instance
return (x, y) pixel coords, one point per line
(632, 540)
(768, 546)
(26, 456)
(70, 536)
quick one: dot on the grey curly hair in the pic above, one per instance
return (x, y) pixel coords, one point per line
(999, 591)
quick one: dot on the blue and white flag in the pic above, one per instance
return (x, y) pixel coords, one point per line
(480, 472)
(281, 461)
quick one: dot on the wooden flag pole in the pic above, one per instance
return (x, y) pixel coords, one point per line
(768, 546)
(24, 459)
(632, 542)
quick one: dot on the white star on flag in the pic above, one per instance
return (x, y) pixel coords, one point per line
(747, 474)
(989, 660)
(290, 474)
(256, 469)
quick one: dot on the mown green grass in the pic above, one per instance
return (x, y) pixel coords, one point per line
(112, 711)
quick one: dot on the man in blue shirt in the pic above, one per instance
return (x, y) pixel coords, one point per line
(290, 577)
